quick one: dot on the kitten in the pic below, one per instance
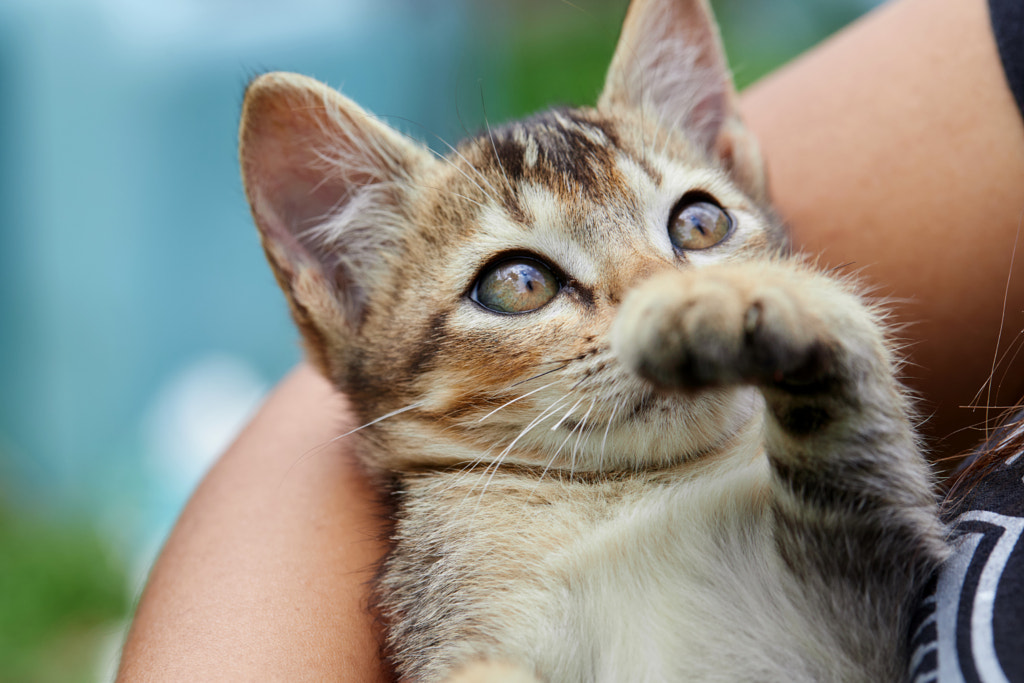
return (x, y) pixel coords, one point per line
(630, 439)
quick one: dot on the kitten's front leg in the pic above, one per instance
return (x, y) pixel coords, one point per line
(853, 497)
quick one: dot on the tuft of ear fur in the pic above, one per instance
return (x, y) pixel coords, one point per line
(669, 62)
(324, 181)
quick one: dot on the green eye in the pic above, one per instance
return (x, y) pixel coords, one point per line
(517, 285)
(698, 225)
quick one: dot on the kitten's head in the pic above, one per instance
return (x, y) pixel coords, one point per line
(479, 290)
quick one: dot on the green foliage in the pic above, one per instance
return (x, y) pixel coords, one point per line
(61, 594)
(559, 54)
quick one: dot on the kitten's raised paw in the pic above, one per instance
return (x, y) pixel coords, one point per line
(728, 325)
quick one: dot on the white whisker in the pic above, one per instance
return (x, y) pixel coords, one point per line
(571, 432)
(576, 446)
(327, 443)
(604, 441)
(533, 490)
(501, 457)
(567, 414)
(505, 405)
(379, 419)
(469, 466)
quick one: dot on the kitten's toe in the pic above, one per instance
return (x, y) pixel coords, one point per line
(784, 344)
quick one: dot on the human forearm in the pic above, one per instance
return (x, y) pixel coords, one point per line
(265, 575)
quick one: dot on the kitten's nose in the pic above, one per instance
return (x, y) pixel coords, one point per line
(640, 271)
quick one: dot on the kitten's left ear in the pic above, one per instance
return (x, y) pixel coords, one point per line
(669, 62)
(327, 183)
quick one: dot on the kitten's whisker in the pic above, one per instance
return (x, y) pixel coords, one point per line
(590, 435)
(412, 406)
(611, 418)
(519, 398)
(496, 465)
(533, 490)
(501, 457)
(537, 376)
(319, 447)
(567, 414)
(581, 380)
(576, 446)
(468, 468)
(555, 405)
(571, 432)
(544, 414)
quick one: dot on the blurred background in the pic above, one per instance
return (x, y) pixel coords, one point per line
(139, 323)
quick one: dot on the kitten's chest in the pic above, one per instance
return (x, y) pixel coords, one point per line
(615, 581)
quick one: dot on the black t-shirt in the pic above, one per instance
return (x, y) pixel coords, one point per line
(969, 626)
(1007, 18)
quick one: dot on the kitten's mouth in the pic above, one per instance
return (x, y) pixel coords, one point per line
(646, 408)
(651, 405)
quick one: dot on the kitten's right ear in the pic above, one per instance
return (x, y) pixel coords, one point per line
(670, 62)
(324, 180)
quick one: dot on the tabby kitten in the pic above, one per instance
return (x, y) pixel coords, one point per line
(630, 439)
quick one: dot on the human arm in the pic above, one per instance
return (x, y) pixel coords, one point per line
(265, 574)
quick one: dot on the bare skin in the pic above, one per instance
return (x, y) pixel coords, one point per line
(895, 146)
(265, 575)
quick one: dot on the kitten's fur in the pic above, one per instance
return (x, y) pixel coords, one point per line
(686, 466)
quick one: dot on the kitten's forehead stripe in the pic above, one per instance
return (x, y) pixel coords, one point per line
(562, 149)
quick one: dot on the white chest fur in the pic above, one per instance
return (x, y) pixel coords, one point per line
(617, 581)
(676, 587)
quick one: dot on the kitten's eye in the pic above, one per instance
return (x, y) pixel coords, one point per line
(698, 224)
(518, 285)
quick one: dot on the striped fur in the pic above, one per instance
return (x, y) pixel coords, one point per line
(688, 465)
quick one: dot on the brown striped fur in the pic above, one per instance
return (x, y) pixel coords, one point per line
(687, 465)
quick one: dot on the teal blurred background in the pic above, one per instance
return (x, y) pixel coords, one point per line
(139, 324)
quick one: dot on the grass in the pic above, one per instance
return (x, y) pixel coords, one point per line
(62, 595)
